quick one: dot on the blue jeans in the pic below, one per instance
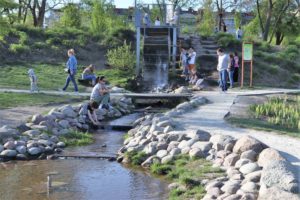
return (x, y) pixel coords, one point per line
(71, 78)
(223, 79)
(231, 77)
(90, 77)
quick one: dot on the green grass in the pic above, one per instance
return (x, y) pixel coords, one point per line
(189, 173)
(8, 100)
(52, 77)
(136, 158)
(76, 138)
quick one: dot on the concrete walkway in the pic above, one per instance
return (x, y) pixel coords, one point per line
(210, 117)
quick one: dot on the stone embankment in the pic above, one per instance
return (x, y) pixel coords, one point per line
(253, 170)
(40, 137)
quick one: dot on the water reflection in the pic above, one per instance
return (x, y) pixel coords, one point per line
(83, 179)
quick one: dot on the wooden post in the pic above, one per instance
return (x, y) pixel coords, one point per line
(138, 50)
(174, 47)
(251, 72)
(242, 78)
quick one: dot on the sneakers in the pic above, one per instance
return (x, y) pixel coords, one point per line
(61, 90)
(76, 93)
(100, 106)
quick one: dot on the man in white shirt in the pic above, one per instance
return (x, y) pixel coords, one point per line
(223, 63)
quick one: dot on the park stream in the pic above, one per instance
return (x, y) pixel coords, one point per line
(82, 179)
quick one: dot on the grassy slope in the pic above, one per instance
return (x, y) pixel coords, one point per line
(8, 100)
(272, 66)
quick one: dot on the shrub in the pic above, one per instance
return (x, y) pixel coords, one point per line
(19, 48)
(273, 69)
(121, 57)
(31, 31)
(77, 138)
(40, 45)
(117, 37)
(136, 158)
(226, 40)
(54, 41)
(160, 169)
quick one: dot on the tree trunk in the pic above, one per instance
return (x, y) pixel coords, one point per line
(279, 37)
(268, 21)
(42, 10)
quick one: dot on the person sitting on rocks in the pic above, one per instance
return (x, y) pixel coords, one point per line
(100, 94)
(88, 74)
(193, 77)
(92, 106)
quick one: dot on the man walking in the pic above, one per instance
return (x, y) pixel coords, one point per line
(71, 70)
(223, 64)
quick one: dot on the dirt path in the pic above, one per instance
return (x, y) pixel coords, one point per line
(210, 117)
(15, 116)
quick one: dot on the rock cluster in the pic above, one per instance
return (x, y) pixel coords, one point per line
(40, 137)
(252, 168)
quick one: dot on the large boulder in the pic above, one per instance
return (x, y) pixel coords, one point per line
(267, 156)
(249, 168)
(231, 187)
(36, 119)
(64, 123)
(161, 153)
(21, 149)
(196, 153)
(10, 145)
(220, 141)
(32, 133)
(7, 132)
(34, 151)
(275, 193)
(204, 146)
(9, 153)
(246, 143)
(68, 111)
(231, 159)
(250, 154)
(200, 135)
(279, 173)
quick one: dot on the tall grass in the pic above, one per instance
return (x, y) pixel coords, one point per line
(283, 112)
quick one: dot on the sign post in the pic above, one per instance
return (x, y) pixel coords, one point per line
(247, 57)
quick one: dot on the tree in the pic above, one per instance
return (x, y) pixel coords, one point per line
(6, 11)
(71, 16)
(207, 21)
(237, 19)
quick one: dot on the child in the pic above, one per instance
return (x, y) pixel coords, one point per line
(194, 77)
(91, 108)
(33, 81)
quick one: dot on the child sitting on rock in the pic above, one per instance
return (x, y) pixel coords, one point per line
(193, 77)
(33, 81)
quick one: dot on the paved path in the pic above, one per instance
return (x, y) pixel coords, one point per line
(210, 117)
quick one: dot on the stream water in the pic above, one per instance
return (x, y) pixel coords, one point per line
(81, 179)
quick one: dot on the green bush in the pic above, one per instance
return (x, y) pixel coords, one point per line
(160, 169)
(19, 48)
(273, 69)
(136, 158)
(121, 57)
(35, 32)
(117, 37)
(77, 138)
(40, 45)
(226, 40)
(54, 41)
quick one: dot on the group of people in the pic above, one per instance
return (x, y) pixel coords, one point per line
(188, 61)
(100, 96)
(228, 66)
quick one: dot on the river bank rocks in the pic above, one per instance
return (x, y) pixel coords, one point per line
(41, 135)
(252, 169)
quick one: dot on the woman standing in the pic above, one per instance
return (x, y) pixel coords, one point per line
(236, 68)
(71, 69)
